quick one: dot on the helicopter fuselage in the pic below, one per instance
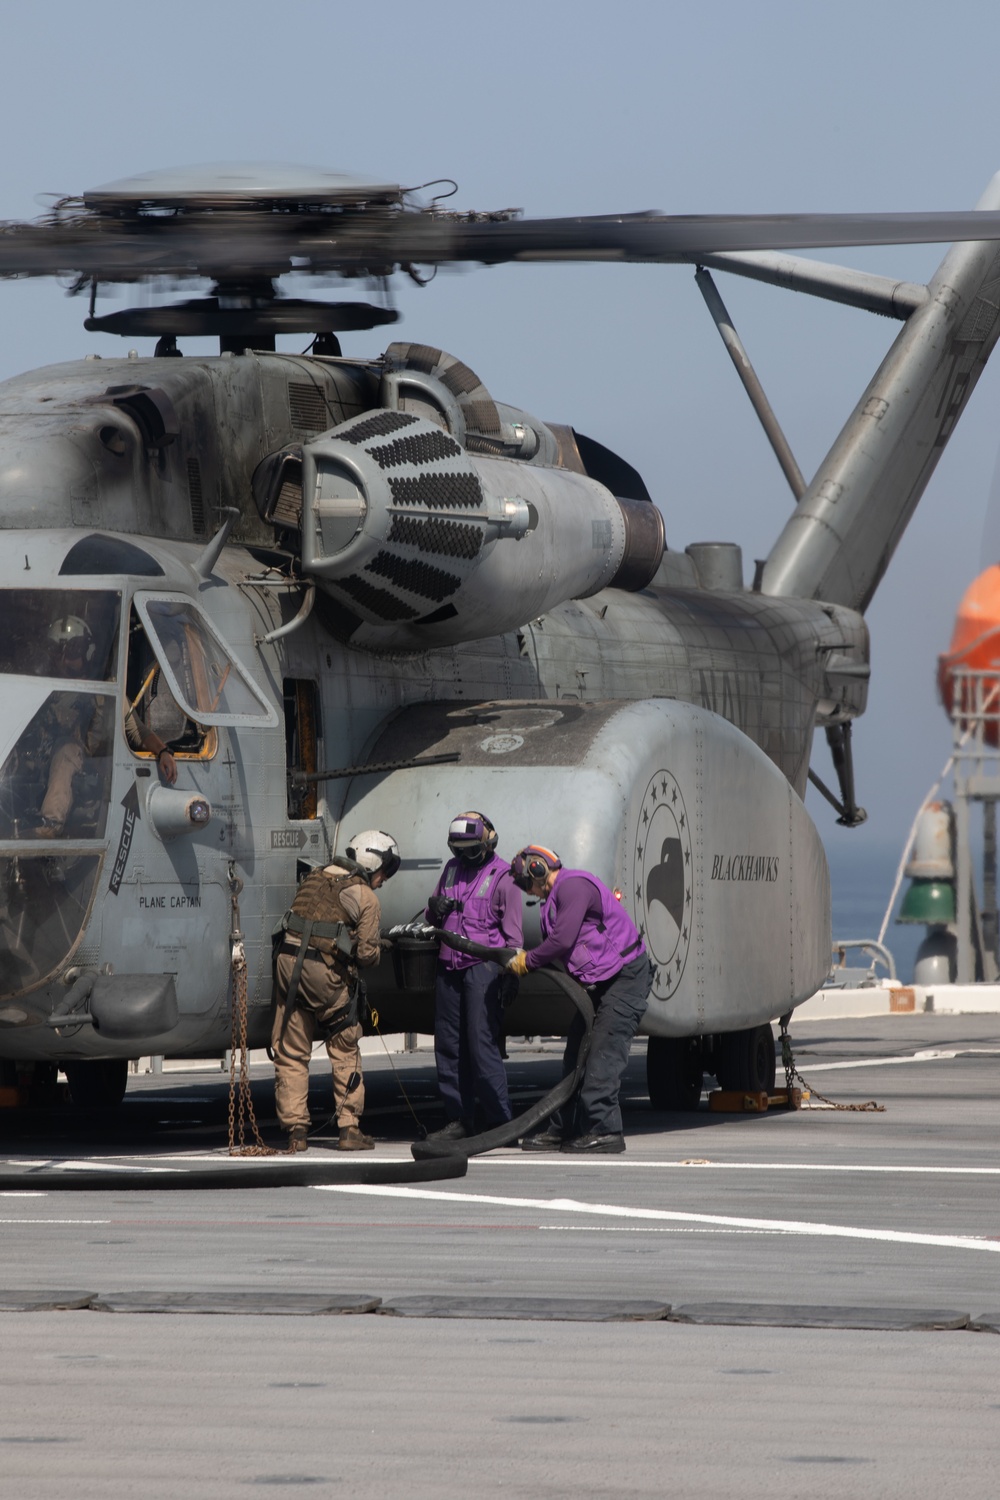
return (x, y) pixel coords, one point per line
(659, 734)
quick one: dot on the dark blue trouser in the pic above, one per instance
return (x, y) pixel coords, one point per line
(467, 1016)
(619, 1006)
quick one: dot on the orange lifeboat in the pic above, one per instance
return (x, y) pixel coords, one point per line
(975, 649)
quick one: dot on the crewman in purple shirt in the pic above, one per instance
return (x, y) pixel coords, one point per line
(475, 897)
(585, 927)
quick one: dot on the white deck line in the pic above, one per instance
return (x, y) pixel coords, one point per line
(515, 1157)
(931, 1055)
(618, 1211)
(734, 1166)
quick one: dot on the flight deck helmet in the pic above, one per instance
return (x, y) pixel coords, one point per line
(533, 862)
(375, 852)
(71, 636)
(71, 630)
(472, 838)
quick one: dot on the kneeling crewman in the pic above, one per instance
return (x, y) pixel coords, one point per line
(586, 928)
(332, 930)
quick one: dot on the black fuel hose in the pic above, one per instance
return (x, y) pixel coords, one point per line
(523, 1124)
(285, 1172)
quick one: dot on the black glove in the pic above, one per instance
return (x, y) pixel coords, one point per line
(440, 907)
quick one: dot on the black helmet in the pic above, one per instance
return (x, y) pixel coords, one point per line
(472, 838)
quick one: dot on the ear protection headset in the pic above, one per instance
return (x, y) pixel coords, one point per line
(533, 862)
(472, 837)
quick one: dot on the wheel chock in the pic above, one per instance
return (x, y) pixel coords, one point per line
(788, 1098)
(753, 1101)
(738, 1101)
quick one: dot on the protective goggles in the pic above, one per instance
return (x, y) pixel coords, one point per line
(465, 833)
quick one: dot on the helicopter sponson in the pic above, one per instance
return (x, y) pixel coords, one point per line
(698, 833)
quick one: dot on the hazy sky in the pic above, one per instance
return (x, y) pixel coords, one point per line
(586, 108)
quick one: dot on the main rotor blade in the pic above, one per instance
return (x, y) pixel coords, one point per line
(375, 241)
(661, 237)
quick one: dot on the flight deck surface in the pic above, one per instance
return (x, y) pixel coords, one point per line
(835, 1275)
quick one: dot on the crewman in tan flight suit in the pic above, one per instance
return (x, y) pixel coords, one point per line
(331, 931)
(82, 727)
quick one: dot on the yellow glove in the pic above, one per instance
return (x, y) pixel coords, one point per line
(518, 964)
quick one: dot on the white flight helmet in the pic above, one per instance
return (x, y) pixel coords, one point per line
(376, 852)
(72, 630)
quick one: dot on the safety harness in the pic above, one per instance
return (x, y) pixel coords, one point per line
(333, 942)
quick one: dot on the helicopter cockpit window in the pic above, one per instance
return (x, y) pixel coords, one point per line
(56, 781)
(59, 633)
(44, 902)
(202, 674)
(152, 704)
(109, 554)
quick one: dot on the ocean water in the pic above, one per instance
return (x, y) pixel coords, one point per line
(861, 880)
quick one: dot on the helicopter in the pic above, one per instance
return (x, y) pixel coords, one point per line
(311, 594)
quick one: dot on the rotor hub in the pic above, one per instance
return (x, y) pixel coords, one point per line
(233, 185)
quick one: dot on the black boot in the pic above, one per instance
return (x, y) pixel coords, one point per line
(593, 1145)
(455, 1130)
(548, 1140)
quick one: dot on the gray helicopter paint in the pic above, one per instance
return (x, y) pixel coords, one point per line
(169, 911)
(878, 294)
(572, 547)
(708, 695)
(245, 785)
(837, 543)
(760, 663)
(614, 645)
(226, 183)
(54, 465)
(714, 855)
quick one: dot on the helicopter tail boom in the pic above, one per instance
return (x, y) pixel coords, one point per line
(839, 540)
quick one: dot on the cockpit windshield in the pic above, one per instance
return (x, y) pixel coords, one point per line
(59, 633)
(44, 902)
(201, 672)
(56, 781)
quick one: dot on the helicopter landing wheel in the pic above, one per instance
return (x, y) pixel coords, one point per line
(674, 1071)
(746, 1060)
(97, 1082)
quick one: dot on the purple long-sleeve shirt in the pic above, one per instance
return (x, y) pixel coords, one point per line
(490, 908)
(574, 899)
